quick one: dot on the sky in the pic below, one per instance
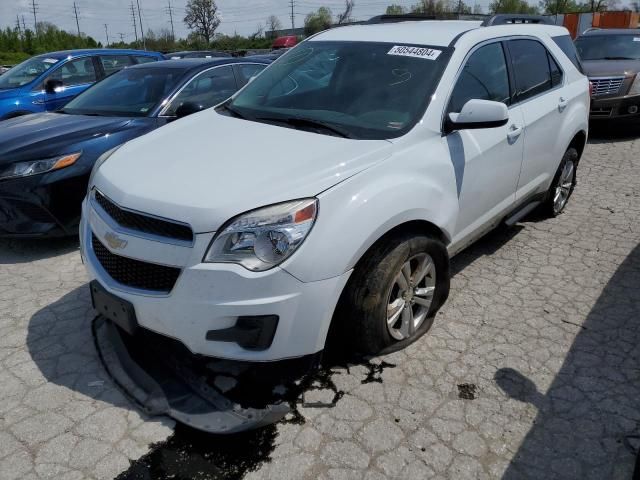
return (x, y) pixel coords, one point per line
(241, 16)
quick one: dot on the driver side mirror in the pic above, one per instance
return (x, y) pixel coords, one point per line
(477, 114)
(187, 108)
(52, 86)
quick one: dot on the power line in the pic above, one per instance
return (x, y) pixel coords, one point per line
(144, 45)
(75, 10)
(133, 17)
(170, 12)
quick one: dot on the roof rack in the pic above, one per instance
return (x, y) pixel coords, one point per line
(511, 18)
(400, 18)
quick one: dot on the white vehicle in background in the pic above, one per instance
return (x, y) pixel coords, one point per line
(332, 190)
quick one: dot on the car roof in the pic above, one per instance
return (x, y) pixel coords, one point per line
(96, 51)
(431, 32)
(610, 31)
(187, 64)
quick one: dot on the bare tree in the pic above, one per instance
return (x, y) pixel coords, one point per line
(635, 6)
(202, 16)
(273, 23)
(257, 33)
(345, 16)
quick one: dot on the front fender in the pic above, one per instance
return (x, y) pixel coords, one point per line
(356, 213)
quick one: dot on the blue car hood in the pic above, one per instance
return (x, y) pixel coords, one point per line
(43, 135)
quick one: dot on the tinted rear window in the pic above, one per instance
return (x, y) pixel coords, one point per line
(531, 67)
(569, 49)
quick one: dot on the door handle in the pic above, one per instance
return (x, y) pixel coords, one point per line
(562, 104)
(514, 132)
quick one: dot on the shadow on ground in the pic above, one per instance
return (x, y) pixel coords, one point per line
(13, 251)
(593, 403)
(608, 132)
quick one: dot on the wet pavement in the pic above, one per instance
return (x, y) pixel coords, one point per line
(531, 370)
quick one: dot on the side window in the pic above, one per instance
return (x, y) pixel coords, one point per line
(484, 77)
(75, 72)
(567, 46)
(114, 63)
(556, 72)
(247, 70)
(207, 89)
(144, 59)
(531, 68)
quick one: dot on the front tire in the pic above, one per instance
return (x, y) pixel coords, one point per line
(395, 292)
(563, 184)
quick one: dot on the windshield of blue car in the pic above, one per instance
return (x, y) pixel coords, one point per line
(26, 72)
(609, 47)
(131, 93)
(362, 90)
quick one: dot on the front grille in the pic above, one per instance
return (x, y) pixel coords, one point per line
(601, 111)
(134, 273)
(606, 86)
(144, 223)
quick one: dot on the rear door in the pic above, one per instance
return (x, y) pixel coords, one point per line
(76, 76)
(486, 161)
(540, 92)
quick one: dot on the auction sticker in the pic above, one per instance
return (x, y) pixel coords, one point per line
(416, 52)
(636, 39)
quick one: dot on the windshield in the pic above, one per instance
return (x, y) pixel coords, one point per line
(365, 90)
(609, 47)
(130, 93)
(26, 72)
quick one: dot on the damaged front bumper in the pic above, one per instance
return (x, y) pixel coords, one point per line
(163, 382)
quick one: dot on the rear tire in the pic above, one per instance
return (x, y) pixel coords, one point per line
(395, 292)
(562, 186)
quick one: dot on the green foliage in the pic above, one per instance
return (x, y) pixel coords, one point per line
(317, 21)
(395, 9)
(553, 7)
(17, 45)
(512, 6)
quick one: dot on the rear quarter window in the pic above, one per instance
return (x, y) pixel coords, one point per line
(567, 46)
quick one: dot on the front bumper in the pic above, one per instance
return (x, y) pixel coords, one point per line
(41, 205)
(625, 107)
(208, 301)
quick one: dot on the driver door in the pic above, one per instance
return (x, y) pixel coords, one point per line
(487, 161)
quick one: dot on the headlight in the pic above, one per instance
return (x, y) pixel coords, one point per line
(263, 238)
(101, 159)
(34, 167)
(635, 86)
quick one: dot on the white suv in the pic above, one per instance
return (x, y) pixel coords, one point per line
(333, 189)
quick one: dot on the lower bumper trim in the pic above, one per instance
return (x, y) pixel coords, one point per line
(184, 397)
(252, 333)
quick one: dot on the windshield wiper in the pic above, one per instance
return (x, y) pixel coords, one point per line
(300, 122)
(619, 58)
(234, 111)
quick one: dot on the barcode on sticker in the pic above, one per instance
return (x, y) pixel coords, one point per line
(417, 52)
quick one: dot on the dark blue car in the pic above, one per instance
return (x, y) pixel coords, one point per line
(46, 158)
(47, 82)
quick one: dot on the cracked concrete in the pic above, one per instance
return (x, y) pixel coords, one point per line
(543, 321)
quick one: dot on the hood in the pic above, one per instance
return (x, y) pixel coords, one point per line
(610, 68)
(207, 168)
(42, 135)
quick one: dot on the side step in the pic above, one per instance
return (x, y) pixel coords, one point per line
(159, 391)
(518, 215)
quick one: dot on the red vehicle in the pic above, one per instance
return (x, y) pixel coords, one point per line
(284, 42)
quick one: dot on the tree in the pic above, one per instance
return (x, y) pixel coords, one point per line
(477, 9)
(512, 6)
(257, 33)
(273, 24)
(345, 17)
(202, 16)
(635, 6)
(556, 7)
(317, 21)
(395, 9)
(599, 5)
(434, 7)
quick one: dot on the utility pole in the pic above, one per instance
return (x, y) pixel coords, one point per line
(292, 4)
(35, 19)
(24, 25)
(106, 32)
(18, 26)
(170, 12)
(75, 10)
(144, 45)
(133, 17)
(121, 37)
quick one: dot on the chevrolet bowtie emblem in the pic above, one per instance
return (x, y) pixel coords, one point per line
(114, 241)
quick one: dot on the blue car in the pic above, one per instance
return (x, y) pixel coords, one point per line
(47, 82)
(46, 158)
